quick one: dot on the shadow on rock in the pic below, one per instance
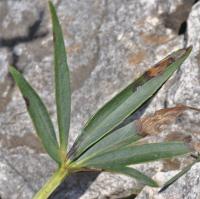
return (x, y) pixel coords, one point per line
(75, 185)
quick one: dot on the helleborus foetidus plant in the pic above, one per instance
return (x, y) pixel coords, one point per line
(101, 145)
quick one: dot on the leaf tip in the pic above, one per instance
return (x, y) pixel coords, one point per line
(51, 8)
(11, 69)
(189, 48)
(162, 189)
(50, 4)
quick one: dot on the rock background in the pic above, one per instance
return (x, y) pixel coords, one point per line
(109, 44)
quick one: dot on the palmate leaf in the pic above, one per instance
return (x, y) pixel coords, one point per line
(136, 154)
(127, 101)
(132, 173)
(109, 153)
(62, 81)
(39, 115)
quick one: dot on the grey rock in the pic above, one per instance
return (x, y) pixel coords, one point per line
(187, 187)
(109, 44)
(186, 91)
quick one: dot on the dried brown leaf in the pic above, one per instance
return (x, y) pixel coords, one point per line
(159, 68)
(154, 124)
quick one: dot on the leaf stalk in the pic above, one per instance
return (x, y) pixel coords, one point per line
(55, 180)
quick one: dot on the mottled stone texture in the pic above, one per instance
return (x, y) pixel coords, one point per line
(109, 44)
(187, 187)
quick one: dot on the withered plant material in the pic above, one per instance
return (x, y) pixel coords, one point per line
(154, 124)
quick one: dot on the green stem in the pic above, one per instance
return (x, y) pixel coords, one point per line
(55, 180)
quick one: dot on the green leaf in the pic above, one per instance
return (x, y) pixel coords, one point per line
(62, 81)
(127, 101)
(177, 176)
(132, 173)
(136, 154)
(118, 138)
(39, 115)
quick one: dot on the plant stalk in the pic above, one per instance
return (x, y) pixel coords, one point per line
(55, 180)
